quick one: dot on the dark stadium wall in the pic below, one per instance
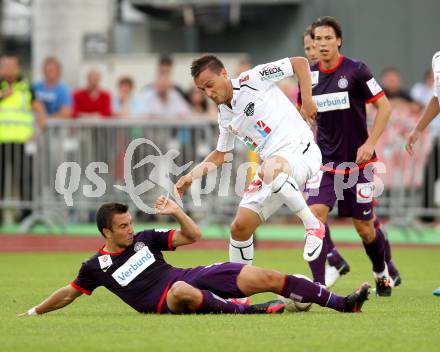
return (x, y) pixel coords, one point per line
(382, 33)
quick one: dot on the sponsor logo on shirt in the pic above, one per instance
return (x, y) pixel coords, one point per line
(134, 266)
(332, 101)
(250, 143)
(254, 186)
(374, 87)
(249, 109)
(315, 77)
(262, 128)
(364, 192)
(105, 261)
(243, 79)
(343, 82)
(270, 71)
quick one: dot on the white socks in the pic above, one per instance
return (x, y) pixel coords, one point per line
(287, 188)
(241, 251)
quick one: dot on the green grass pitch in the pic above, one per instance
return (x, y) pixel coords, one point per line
(408, 321)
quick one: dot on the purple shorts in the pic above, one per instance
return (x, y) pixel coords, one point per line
(353, 194)
(220, 279)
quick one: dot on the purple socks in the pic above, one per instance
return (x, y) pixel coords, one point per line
(303, 290)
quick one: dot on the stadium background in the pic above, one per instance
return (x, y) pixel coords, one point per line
(127, 38)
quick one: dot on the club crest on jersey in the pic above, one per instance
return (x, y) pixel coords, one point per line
(343, 82)
(249, 109)
(270, 71)
(262, 129)
(105, 261)
(138, 246)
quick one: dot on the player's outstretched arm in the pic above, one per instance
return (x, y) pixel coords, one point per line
(211, 162)
(301, 67)
(59, 299)
(366, 150)
(431, 111)
(189, 231)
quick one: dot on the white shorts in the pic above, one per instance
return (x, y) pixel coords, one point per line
(305, 161)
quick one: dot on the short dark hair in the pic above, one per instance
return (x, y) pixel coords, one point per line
(329, 22)
(166, 60)
(206, 61)
(307, 31)
(125, 80)
(104, 215)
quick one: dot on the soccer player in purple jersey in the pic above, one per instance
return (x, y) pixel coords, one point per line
(133, 268)
(337, 265)
(341, 88)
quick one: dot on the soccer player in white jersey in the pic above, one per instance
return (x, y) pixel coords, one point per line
(431, 111)
(254, 110)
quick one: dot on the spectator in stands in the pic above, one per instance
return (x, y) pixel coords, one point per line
(165, 68)
(243, 65)
(421, 92)
(162, 100)
(126, 103)
(54, 94)
(92, 101)
(200, 105)
(391, 80)
(17, 108)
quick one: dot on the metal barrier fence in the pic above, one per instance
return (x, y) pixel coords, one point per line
(84, 163)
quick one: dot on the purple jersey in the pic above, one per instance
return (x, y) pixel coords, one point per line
(133, 273)
(340, 95)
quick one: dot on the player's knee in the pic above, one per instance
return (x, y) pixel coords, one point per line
(321, 214)
(180, 291)
(240, 231)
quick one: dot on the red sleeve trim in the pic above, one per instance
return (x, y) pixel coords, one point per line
(79, 288)
(163, 296)
(347, 172)
(170, 239)
(373, 99)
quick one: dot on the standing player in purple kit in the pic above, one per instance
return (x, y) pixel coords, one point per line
(133, 268)
(337, 265)
(341, 88)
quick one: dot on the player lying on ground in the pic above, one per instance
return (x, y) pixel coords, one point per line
(132, 267)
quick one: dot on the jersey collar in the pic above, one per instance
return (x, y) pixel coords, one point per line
(102, 251)
(333, 69)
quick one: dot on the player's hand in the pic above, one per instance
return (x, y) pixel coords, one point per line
(364, 153)
(182, 185)
(309, 110)
(165, 206)
(412, 139)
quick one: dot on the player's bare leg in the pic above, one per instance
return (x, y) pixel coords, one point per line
(276, 172)
(241, 243)
(374, 244)
(183, 298)
(337, 265)
(252, 280)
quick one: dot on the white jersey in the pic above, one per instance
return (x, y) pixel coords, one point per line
(436, 72)
(262, 117)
